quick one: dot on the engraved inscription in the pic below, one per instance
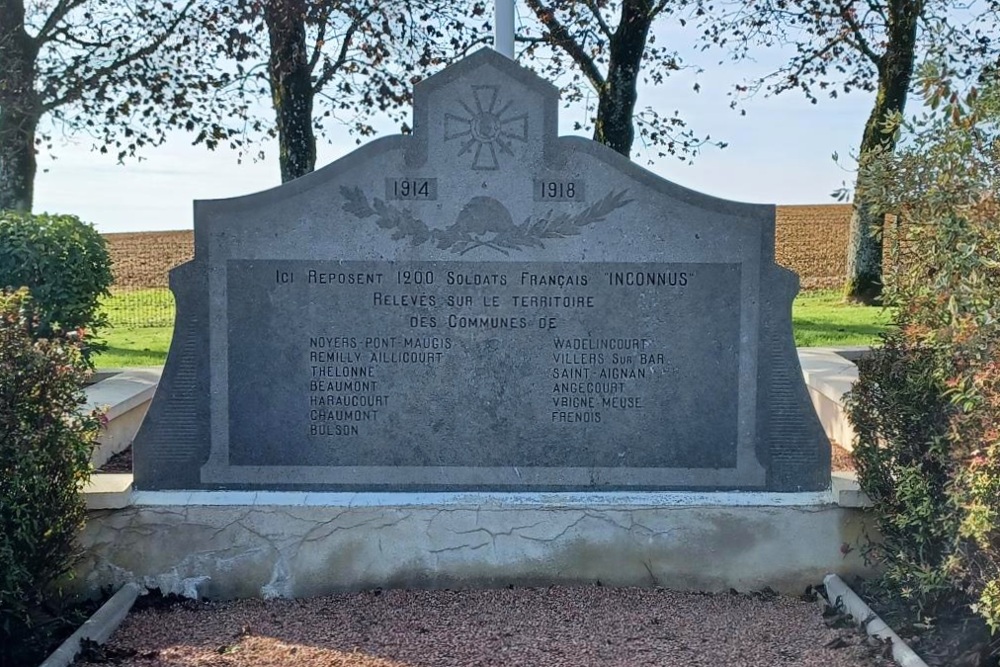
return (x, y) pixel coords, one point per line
(379, 358)
(559, 190)
(419, 189)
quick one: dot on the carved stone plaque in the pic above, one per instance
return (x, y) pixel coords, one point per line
(482, 305)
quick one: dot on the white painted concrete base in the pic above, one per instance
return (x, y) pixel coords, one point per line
(829, 374)
(124, 395)
(283, 550)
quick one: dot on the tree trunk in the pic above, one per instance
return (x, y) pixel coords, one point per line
(19, 109)
(895, 70)
(616, 101)
(291, 87)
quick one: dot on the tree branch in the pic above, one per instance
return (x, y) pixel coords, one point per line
(320, 40)
(59, 12)
(596, 11)
(330, 69)
(879, 8)
(793, 73)
(560, 37)
(76, 91)
(860, 43)
(531, 40)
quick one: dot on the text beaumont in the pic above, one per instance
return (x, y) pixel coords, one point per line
(358, 386)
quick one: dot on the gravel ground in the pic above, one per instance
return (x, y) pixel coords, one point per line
(843, 460)
(530, 627)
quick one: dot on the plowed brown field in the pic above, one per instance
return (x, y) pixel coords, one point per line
(810, 240)
(143, 259)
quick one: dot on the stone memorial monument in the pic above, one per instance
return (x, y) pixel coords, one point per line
(482, 305)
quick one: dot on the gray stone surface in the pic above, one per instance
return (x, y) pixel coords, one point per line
(482, 305)
(239, 551)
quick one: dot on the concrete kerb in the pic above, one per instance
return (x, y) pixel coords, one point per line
(98, 628)
(840, 594)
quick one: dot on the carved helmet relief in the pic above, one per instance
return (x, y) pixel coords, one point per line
(482, 222)
(485, 126)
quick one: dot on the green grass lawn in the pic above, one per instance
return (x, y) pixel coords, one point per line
(134, 346)
(822, 319)
(818, 318)
(140, 308)
(142, 323)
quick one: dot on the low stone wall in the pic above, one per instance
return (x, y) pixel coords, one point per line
(232, 544)
(123, 396)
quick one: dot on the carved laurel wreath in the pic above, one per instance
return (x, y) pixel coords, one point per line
(461, 238)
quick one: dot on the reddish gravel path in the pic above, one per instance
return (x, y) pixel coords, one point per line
(526, 627)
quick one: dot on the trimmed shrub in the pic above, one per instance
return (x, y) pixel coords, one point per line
(63, 262)
(901, 413)
(926, 407)
(45, 445)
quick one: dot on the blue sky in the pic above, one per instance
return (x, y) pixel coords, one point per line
(779, 152)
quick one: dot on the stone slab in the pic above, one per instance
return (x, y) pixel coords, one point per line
(108, 491)
(829, 375)
(483, 305)
(846, 490)
(124, 396)
(122, 390)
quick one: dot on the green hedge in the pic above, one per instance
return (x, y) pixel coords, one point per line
(46, 440)
(63, 262)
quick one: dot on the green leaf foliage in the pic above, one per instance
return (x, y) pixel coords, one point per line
(46, 439)
(63, 262)
(926, 407)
